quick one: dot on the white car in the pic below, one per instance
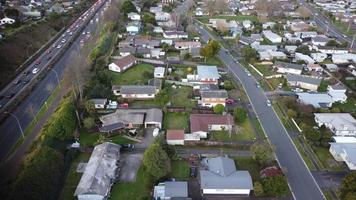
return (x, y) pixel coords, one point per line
(35, 70)
(59, 46)
(63, 40)
(70, 33)
(269, 103)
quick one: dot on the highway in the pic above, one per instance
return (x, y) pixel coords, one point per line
(302, 183)
(324, 23)
(10, 130)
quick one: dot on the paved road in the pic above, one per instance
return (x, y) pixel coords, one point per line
(10, 131)
(302, 183)
(323, 22)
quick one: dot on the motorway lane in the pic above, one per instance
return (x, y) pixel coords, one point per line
(44, 59)
(10, 131)
(301, 181)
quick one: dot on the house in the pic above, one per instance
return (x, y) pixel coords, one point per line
(157, 29)
(159, 72)
(125, 51)
(259, 48)
(175, 35)
(319, 57)
(219, 176)
(6, 20)
(290, 48)
(145, 42)
(274, 38)
(99, 103)
(157, 53)
(337, 92)
(99, 172)
(135, 91)
(162, 16)
(202, 124)
(343, 149)
(143, 52)
(208, 74)
(299, 26)
(292, 38)
(134, 16)
(302, 81)
(267, 25)
(175, 137)
(343, 58)
(131, 118)
(320, 40)
(331, 67)
(133, 28)
(317, 100)
(247, 24)
(306, 34)
(156, 9)
(341, 124)
(331, 50)
(302, 57)
(123, 63)
(288, 68)
(270, 55)
(171, 190)
(314, 67)
(211, 98)
(183, 45)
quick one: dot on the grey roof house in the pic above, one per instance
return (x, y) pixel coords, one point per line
(135, 91)
(305, 82)
(171, 190)
(100, 172)
(221, 177)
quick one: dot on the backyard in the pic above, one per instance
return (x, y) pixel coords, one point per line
(180, 170)
(266, 70)
(89, 139)
(175, 120)
(136, 75)
(243, 132)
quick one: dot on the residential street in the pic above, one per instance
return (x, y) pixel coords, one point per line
(302, 183)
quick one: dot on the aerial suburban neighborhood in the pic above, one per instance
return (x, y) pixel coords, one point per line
(178, 99)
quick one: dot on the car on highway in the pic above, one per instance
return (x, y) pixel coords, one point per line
(38, 62)
(35, 70)
(48, 51)
(70, 33)
(59, 46)
(258, 85)
(343, 35)
(10, 95)
(26, 73)
(15, 82)
(49, 57)
(63, 40)
(268, 103)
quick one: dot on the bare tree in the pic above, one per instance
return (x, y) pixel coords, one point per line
(267, 6)
(304, 12)
(221, 25)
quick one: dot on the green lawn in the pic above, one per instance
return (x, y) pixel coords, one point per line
(180, 170)
(140, 189)
(244, 132)
(266, 70)
(327, 160)
(88, 139)
(205, 19)
(249, 164)
(176, 120)
(349, 106)
(136, 75)
(343, 28)
(181, 96)
(306, 159)
(73, 177)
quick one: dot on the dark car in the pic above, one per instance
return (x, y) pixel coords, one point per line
(49, 57)
(26, 73)
(10, 95)
(38, 62)
(193, 172)
(15, 82)
(25, 81)
(129, 147)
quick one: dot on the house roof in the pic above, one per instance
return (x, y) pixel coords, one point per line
(315, 99)
(137, 89)
(188, 43)
(173, 189)
(125, 61)
(175, 135)
(344, 139)
(159, 70)
(222, 174)
(302, 78)
(339, 121)
(213, 93)
(337, 86)
(280, 64)
(100, 170)
(208, 71)
(345, 148)
(201, 122)
(321, 38)
(99, 101)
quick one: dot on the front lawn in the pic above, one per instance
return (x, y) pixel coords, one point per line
(244, 132)
(176, 120)
(266, 70)
(249, 164)
(180, 170)
(140, 189)
(327, 160)
(89, 139)
(73, 178)
(136, 75)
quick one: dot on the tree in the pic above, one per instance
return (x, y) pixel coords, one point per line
(240, 115)
(128, 7)
(348, 186)
(222, 27)
(249, 54)
(228, 85)
(275, 186)
(292, 113)
(218, 109)
(206, 52)
(148, 18)
(258, 189)
(89, 122)
(303, 49)
(332, 43)
(156, 161)
(263, 153)
(312, 135)
(350, 196)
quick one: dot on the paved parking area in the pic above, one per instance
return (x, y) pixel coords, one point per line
(129, 164)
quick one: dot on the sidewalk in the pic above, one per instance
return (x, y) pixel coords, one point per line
(9, 168)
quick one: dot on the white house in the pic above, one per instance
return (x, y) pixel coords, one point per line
(175, 137)
(133, 28)
(123, 63)
(247, 24)
(331, 50)
(219, 176)
(302, 57)
(302, 81)
(135, 91)
(134, 16)
(183, 45)
(274, 38)
(157, 29)
(99, 103)
(175, 35)
(343, 58)
(319, 57)
(288, 68)
(306, 34)
(162, 16)
(331, 67)
(337, 92)
(343, 149)
(317, 100)
(159, 72)
(6, 20)
(341, 124)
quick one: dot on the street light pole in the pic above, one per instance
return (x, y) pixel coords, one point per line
(353, 40)
(18, 123)
(55, 72)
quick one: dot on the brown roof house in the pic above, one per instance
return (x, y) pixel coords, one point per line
(123, 63)
(202, 124)
(175, 137)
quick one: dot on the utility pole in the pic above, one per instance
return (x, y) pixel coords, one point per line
(353, 40)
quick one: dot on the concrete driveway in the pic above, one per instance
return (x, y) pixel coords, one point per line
(129, 164)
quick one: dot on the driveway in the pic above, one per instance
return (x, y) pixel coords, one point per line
(129, 163)
(147, 138)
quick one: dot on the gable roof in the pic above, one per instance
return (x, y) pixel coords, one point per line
(208, 71)
(302, 78)
(137, 89)
(125, 61)
(288, 65)
(339, 121)
(213, 94)
(175, 135)
(201, 122)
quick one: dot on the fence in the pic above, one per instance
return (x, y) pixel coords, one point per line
(241, 145)
(179, 83)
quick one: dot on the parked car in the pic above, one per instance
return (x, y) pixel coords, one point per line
(229, 101)
(25, 81)
(258, 85)
(35, 70)
(48, 51)
(193, 172)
